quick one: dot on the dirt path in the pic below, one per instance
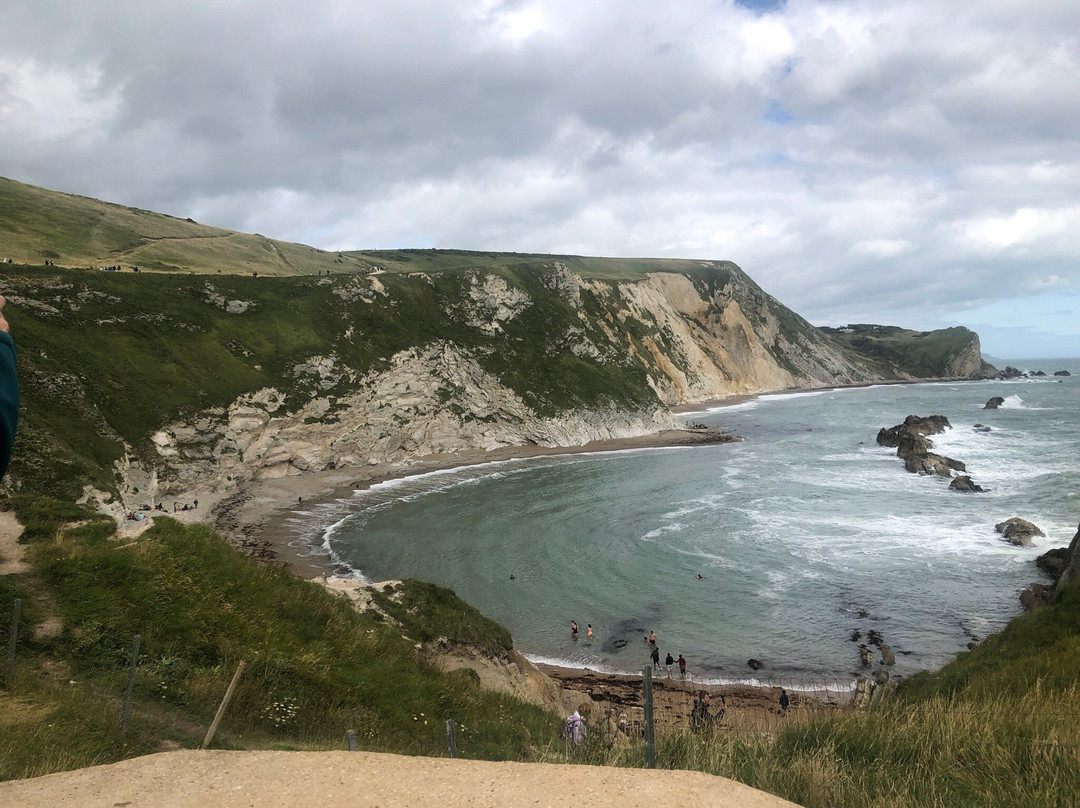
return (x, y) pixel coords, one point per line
(285, 779)
(11, 552)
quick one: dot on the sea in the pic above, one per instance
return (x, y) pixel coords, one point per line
(787, 548)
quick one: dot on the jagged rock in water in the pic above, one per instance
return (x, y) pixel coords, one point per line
(981, 428)
(873, 636)
(1018, 531)
(855, 636)
(1053, 562)
(933, 464)
(865, 657)
(964, 483)
(1038, 373)
(994, 403)
(913, 445)
(928, 425)
(754, 664)
(887, 655)
(1072, 563)
(881, 677)
(1035, 596)
(1062, 373)
(864, 690)
(1010, 373)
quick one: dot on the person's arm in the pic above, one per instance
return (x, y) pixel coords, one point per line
(9, 393)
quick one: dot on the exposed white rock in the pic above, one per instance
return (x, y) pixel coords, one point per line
(495, 301)
(431, 400)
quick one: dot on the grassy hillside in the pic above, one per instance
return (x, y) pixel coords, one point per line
(315, 667)
(37, 225)
(925, 354)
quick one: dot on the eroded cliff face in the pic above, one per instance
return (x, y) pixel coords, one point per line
(541, 357)
(725, 342)
(431, 400)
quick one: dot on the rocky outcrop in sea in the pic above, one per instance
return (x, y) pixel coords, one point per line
(913, 446)
(1062, 565)
(1018, 531)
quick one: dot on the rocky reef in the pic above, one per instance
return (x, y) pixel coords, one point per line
(1018, 531)
(913, 446)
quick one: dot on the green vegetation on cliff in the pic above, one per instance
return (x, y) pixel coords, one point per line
(898, 351)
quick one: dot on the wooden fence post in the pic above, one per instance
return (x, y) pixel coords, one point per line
(9, 671)
(130, 682)
(650, 732)
(224, 704)
(451, 738)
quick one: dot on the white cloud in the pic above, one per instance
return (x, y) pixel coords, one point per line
(881, 248)
(1026, 226)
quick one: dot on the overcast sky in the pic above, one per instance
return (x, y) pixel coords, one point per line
(914, 162)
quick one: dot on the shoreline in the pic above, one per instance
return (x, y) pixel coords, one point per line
(714, 404)
(754, 708)
(256, 517)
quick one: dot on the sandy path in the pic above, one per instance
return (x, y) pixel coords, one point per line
(11, 552)
(285, 779)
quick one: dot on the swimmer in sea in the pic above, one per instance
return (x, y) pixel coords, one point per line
(588, 631)
(573, 629)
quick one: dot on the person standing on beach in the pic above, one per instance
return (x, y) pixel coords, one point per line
(655, 656)
(784, 701)
(668, 662)
(9, 393)
(682, 666)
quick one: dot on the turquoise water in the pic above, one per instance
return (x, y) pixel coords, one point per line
(804, 532)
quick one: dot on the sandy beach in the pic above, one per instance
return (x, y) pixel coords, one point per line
(256, 517)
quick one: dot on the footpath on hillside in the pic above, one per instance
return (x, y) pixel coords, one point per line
(219, 779)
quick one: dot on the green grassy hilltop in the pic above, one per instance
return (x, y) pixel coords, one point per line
(38, 225)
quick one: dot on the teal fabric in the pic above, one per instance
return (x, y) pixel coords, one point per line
(9, 399)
